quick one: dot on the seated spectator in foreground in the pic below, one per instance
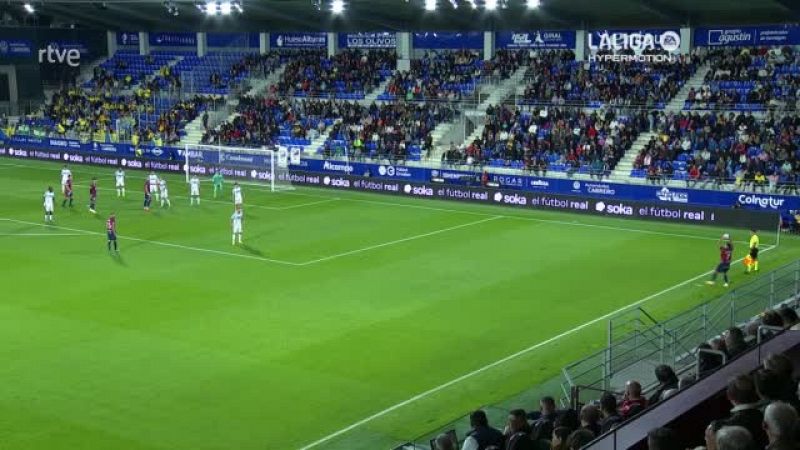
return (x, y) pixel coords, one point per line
(662, 439)
(608, 411)
(518, 431)
(745, 413)
(734, 341)
(543, 426)
(789, 316)
(633, 402)
(579, 438)
(559, 438)
(444, 442)
(590, 418)
(667, 380)
(781, 424)
(734, 438)
(482, 435)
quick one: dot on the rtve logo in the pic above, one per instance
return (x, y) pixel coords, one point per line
(54, 55)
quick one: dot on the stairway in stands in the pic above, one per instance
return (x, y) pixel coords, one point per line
(623, 170)
(695, 81)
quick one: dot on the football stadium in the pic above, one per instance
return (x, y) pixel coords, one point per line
(400, 224)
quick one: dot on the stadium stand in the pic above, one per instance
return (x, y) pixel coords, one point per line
(721, 149)
(749, 79)
(565, 140)
(349, 75)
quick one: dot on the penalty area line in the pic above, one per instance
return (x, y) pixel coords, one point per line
(508, 358)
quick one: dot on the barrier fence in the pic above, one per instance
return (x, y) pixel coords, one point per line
(638, 342)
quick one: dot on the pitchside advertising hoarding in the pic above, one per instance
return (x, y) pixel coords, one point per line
(564, 39)
(254, 164)
(772, 35)
(662, 212)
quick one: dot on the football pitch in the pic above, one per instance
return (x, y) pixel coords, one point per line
(345, 320)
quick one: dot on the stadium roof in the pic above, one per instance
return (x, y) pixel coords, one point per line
(382, 15)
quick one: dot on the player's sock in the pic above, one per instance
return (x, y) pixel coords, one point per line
(725, 277)
(240, 238)
(64, 203)
(116, 249)
(755, 265)
(233, 239)
(109, 245)
(70, 202)
(123, 192)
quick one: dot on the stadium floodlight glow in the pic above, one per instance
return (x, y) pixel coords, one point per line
(454, 3)
(337, 6)
(490, 5)
(237, 5)
(29, 8)
(533, 4)
(473, 4)
(430, 5)
(225, 8)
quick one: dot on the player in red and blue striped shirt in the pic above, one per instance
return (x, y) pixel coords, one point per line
(725, 257)
(93, 196)
(111, 230)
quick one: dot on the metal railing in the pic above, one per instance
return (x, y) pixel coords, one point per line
(637, 342)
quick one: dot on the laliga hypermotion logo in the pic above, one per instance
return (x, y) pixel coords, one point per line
(617, 46)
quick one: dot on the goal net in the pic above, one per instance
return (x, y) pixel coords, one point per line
(263, 165)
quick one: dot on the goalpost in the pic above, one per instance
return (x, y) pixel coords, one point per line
(264, 165)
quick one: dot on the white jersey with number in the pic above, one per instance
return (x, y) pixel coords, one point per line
(153, 179)
(237, 195)
(119, 175)
(162, 187)
(236, 221)
(194, 185)
(49, 200)
(65, 174)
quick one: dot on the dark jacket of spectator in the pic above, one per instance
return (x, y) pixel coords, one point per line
(666, 380)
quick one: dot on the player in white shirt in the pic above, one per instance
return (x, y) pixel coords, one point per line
(65, 174)
(153, 180)
(194, 190)
(237, 195)
(49, 204)
(162, 188)
(119, 175)
(236, 225)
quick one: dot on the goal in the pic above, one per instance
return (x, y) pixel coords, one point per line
(263, 165)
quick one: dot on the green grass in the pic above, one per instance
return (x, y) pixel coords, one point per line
(187, 342)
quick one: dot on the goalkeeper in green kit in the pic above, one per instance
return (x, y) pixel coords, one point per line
(217, 180)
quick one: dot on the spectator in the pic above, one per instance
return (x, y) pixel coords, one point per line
(579, 438)
(666, 380)
(770, 386)
(788, 316)
(708, 362)
(444, 442)
(544, 424)
(590, 418)
(633, 402)
(662, 439)
(518, 431)
(734, 341)
(734, 438)
(482, 435)
(742, 394)
(559, 438)
(781, 426)
(608, 411)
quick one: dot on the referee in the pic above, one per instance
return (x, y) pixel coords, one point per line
(754, 241)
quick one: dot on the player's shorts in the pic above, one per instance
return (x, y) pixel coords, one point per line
(93, 198)
(153, 188)
(754, 253)
(48, 207)
(723, 267)
(112, 236)
(195, 191)
(120, 184)
(237, 200)
(164, 194)
(237, 229)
